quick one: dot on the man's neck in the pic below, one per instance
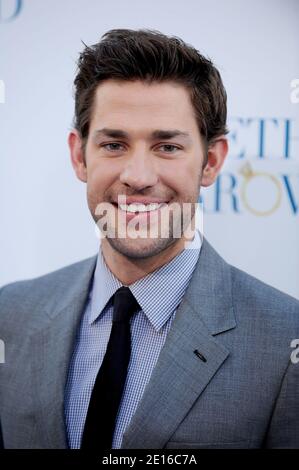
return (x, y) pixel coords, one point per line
(129, 270)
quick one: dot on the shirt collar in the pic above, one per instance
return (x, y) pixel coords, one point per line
(158, 293)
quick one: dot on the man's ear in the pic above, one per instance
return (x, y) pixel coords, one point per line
(217, 152)
(77, 155)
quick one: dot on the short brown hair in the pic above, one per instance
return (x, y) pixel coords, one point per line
(148, 55)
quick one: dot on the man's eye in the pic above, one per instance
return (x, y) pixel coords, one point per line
(112, 146)
(169, 148)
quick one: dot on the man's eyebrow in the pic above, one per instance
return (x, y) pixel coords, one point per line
(157, 134)
(114, 133)
(168, 134)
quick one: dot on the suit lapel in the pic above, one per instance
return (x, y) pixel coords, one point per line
(52, 349)
(180, 376)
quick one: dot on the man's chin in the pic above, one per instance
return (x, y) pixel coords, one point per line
(140, 248)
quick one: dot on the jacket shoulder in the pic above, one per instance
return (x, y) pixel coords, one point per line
(44, 292)
(252, 294)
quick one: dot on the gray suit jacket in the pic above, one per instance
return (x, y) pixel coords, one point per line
(246, 394)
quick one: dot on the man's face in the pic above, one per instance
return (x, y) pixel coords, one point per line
(143, 143)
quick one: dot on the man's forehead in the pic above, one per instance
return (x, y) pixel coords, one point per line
(157, 107)
(137, 91)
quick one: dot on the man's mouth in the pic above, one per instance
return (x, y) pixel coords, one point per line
(139, 205)
(141, 211)
(140, 208)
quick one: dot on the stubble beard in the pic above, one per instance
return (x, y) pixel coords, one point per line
(143, 248)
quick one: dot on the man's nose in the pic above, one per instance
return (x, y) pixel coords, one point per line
(139, 171)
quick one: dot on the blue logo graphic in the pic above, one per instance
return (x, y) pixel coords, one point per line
(10, 10)
(262, 174)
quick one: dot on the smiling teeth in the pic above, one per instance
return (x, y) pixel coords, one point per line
(140, 207)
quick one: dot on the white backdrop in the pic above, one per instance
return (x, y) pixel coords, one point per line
(251, 213)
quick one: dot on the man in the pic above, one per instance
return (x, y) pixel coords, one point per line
(203, 358)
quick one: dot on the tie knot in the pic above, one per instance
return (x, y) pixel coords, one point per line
(124, 305)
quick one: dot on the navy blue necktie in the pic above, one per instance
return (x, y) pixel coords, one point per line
(108, 388)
